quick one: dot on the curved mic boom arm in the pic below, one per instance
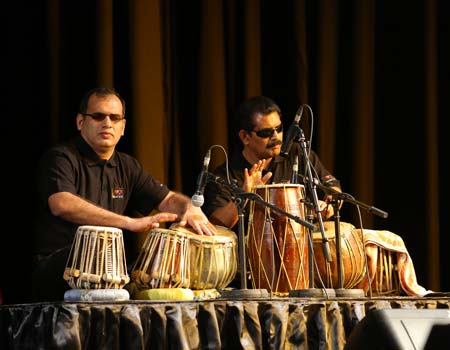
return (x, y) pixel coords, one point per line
(348, 198)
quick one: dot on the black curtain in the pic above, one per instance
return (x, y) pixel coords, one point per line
(375, 74)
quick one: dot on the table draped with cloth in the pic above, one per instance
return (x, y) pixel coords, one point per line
(272, 323)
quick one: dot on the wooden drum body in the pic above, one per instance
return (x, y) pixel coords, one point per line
(97, 259)
(163, 261)
(277, 245)
(352, 256)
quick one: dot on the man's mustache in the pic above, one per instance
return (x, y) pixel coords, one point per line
(275, 143)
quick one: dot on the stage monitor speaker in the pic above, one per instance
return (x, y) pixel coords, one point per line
(402, 329)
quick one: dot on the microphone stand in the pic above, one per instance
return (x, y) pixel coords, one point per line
(312, 291)
(348, 198)
(241, 194)
(243, 292)
(340, 291)
(326, 249)
(312, 190)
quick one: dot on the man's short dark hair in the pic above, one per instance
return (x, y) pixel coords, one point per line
(101, 92)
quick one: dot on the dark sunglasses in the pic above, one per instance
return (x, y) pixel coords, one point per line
(268, 132)
(101, 116)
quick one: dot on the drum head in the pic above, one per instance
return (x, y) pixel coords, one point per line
(344, 227)
(167, 232)
(98, 228)
(279, 185)
(223, 233)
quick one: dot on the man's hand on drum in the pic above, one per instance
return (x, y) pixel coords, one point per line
(253, 177)
(326, 206)
(326, 209)
(195, 218)
(146, 223)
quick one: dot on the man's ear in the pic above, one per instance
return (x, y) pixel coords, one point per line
(243, 136)
(79, 120)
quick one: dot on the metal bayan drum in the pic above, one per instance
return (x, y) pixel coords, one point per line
(180, 258)
(352, 256)
(213, 259)
(97, 259)
(277, 245)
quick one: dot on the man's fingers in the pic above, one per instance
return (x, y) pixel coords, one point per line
(164, 217)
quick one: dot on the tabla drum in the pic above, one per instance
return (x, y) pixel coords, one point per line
(277, 245)
(384, 252)
(383, 270)
(352, 256)
(213, 259)
(163, 261)
(97, 259)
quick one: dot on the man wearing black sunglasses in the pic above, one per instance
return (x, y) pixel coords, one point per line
(87, 182)
(257, 161)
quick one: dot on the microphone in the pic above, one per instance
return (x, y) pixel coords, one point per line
(294, 179)
(198, 199)
(291, 133)
(329, 180)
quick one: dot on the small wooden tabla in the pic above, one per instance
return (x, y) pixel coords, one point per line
(163, 261)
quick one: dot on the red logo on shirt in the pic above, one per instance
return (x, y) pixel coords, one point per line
(118, 192)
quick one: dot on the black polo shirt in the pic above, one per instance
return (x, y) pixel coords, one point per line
(119, 184)
(218, 195)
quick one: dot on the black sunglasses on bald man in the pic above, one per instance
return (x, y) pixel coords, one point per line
(101, 116)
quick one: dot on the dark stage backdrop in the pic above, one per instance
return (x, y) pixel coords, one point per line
(375, 74)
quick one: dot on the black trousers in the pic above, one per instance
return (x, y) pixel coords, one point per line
(47, 279)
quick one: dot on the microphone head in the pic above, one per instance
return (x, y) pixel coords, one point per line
(291, 134)
(298, 115)
(197, 200)
(329, 180)
(207, 159)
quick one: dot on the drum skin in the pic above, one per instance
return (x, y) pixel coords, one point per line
(277, 245)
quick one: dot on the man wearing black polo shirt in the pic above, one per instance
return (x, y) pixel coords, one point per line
(257, 161)
(87, 182)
